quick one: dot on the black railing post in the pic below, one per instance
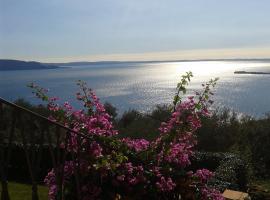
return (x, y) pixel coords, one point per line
(28, 157)
(58, 166)
(4, 192)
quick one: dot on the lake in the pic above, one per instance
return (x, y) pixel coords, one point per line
(144, 85)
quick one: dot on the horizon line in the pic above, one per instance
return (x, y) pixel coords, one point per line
(162, 56)
(144, 61)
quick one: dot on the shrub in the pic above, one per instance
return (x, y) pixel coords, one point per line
(230, 171)
(113, 168)
(233, 170)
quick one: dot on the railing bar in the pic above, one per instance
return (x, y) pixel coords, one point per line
(11, 134)
(57, 145)
(76, 171)
(34, 161)
(63, 162)
(29, 163)
(32, 141)
(50, 147)
(40, 150)
(46, 119)
(79, 156)
(55, 165)
(58, 157)
(57, 170)
(4, 192)
(40, 116)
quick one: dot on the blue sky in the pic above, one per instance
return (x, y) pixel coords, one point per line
(66, 30)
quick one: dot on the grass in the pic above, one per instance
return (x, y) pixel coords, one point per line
(260, 189)
(265, 184)
(19, 191)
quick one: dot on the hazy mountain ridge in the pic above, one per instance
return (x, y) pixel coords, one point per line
(9, 65)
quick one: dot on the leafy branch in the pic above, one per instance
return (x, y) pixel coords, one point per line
(181, 88)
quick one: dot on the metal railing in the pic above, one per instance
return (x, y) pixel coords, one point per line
(30, 146)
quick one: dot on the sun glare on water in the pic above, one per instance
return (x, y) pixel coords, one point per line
(203, 68)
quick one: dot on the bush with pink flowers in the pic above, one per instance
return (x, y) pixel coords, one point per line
(112, 167)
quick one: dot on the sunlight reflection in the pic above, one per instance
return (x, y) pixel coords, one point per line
(203, 68)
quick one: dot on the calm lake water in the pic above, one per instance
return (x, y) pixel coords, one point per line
(143, 85)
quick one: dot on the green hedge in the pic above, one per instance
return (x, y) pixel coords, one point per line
(230, 171)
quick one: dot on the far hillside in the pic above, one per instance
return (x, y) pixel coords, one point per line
(7, 65)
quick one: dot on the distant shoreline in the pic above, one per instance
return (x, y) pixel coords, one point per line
(80, 63)
(20, 69)
(12, 65)
(245, 72)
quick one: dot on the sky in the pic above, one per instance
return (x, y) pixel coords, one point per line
(91, 30)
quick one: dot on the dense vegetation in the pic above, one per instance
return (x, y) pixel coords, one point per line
(223, 131)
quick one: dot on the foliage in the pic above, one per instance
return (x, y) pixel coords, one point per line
(254, 141)
(112, 167)
(111, 110)
(233, 170)
(41, 109)
(248, 137)
(20, 172)
(230, 171)
(260, 189)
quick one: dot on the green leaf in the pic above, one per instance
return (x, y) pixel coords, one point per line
(198, 106)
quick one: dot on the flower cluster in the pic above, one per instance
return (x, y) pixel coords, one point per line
(112, 168)
(50, 179)
(203, 175)
(130, 175)
(136, 144)
(95, 149)
(165, 185)
(179, 154)
(180, 129)
(210, 193)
